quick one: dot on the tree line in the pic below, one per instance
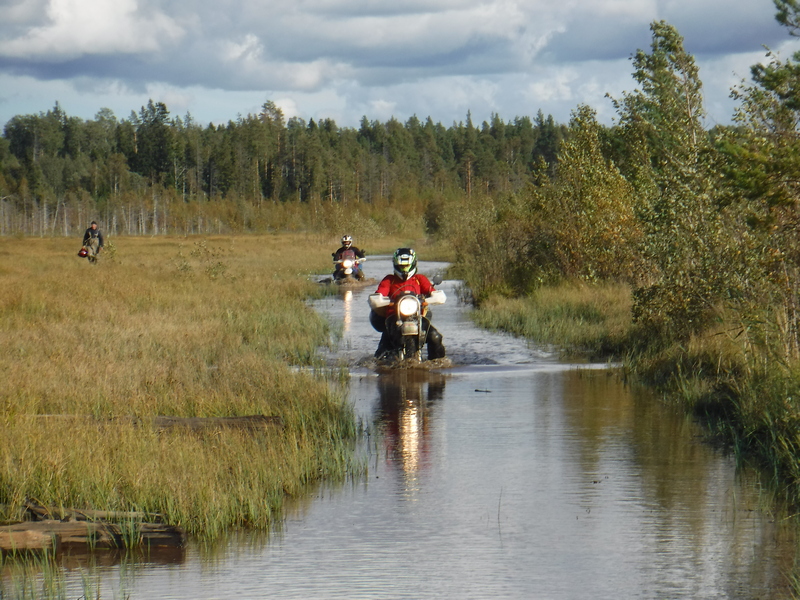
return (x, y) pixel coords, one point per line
(154, 173)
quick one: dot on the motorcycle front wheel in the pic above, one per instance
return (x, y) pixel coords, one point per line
(411, 347)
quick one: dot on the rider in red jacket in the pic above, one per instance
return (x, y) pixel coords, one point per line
(392, 285)
(405, 278)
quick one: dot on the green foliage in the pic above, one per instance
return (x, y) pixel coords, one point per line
(587, 212)
(762, 194)
(579, 224)
(672, 167)
(788, 14)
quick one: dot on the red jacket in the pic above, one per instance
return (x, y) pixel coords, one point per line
(392, 285)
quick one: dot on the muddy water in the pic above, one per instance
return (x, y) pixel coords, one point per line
(507, 475)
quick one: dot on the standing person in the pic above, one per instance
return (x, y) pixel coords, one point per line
(93, 241)
(404, 279)
(347, 245)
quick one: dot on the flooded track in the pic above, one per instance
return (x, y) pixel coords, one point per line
(508, 475)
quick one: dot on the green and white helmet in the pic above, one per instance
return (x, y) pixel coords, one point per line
(405, 263)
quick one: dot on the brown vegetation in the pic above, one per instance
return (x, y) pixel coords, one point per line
(165, 328)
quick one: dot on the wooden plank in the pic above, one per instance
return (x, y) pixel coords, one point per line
(34, 535)
(25, 540)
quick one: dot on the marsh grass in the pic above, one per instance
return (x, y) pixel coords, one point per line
(38, 576)
(575, 317)
(205, 327)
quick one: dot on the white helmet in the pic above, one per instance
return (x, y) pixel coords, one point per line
(347, 240)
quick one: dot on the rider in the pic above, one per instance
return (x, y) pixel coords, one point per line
(93, 241)
(405, 278)
(347, 244)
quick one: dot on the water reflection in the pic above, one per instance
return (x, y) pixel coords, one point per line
(347, 317)
(155, 555)
(406, 399)
(78, 574)
(685, 502)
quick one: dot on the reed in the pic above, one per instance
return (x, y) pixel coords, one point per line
(204, 327)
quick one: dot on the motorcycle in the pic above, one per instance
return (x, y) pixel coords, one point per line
(348, 267)
(408, 329)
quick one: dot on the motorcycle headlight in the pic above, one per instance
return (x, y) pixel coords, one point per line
(408, 306)
(347, 263)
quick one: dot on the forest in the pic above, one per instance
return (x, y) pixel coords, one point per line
(701, 224)
(155, 174)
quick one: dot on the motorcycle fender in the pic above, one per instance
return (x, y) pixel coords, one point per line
(409, 328)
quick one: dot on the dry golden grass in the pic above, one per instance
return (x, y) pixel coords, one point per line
(185, 327)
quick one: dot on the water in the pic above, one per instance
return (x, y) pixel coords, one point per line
(509, 475)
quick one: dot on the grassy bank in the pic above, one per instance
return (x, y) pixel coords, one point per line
(187, 327)
(577, 318)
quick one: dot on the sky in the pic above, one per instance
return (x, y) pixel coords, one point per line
(345, 59)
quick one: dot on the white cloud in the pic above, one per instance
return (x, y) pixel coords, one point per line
(348, 58)
(249, 49)
(78, 27)
(288, 107)
(382, 109)
(23, 11)
(556, 87)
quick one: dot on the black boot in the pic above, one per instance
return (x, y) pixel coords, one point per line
(435, 345)
(383, 346)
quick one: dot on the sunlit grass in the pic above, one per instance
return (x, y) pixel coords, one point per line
(203, 327)
(575, 317)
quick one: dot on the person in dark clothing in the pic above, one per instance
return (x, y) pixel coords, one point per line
(347, 246)
(93, 241)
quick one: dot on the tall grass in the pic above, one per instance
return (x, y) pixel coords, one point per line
(576, 317)
(204, 327)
